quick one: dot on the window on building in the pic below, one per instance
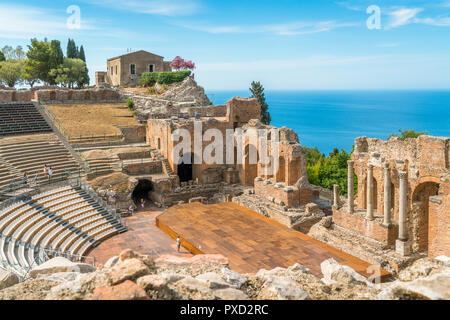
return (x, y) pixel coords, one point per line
(112, 70)
(151, 68)
(132, 69)
(116, 69)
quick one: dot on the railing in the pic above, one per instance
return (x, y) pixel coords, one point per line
(41, 255)
(54, 120)
(92, 137)
(17, 184)
(39, 189)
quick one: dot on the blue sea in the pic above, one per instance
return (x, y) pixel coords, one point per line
(333, 119)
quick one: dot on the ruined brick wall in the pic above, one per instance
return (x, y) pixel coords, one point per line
(241, 110)
(143, 168)
(59, 95)
(67, 95)
(7, 96)
(134, 134)
(370, 229)
(439, 223)
(288, 196)
(426, 162)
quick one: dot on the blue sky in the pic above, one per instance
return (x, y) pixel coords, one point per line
(286, 44)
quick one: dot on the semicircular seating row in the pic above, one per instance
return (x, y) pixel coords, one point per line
(65, 219)
(29, 154)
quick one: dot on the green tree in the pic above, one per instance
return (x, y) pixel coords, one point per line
(327, 171)
(2, 57)
(406, 134)
(257, 91)
(56, 58)
(37, 66)
(72, 51)
(9, 53)
(28, 77)
(82, 55)
(11, 72)
(72, 72)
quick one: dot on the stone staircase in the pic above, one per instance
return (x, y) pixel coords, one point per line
(29, 154)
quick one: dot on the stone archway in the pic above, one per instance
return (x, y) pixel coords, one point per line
(184, 169)
(141, 191)
(420, 214)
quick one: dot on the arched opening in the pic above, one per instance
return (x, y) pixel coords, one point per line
(141, 191)
(419, 214)
(185, 169)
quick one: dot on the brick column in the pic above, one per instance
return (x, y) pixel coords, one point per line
(336, 196)
(403, 207)
(369, 196)
(387, 195)
(350, 186)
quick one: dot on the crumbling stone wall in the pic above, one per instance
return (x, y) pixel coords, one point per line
(56, 95)
(426, 163)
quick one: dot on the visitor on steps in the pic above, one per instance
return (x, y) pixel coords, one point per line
(131, 210)
(25, 179)
(50, 172)
(45, 170)
(178, 243)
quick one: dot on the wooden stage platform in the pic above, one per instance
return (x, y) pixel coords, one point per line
(249, 240)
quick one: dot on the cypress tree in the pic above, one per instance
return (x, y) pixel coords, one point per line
(56, 58)
(72, 49)
(82, 55)
(257, 91)
(2, 57)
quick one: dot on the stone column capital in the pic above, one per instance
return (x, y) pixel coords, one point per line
(370, 166)
(386, 166)
(350, 163)
(402, 175)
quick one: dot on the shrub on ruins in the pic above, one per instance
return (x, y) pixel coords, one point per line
(130, 104)
(257, 91)
(407, 134)
(149, 79)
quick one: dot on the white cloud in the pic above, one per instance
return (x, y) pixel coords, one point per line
(25, 22)
(403, 16)
(437, 22)
(350, 6)
(153, 7)
(285, 29)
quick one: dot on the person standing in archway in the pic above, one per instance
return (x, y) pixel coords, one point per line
(142, 203)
